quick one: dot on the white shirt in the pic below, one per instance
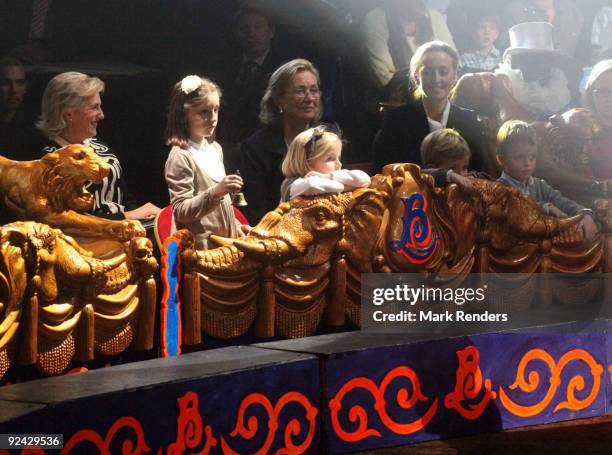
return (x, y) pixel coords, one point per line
(342, 180)
(434, 125)
(207, 158)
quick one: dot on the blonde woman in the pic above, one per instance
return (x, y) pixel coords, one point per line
(433, 69)
(71, 111)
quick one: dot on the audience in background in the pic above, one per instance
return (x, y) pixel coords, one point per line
(18, 136)
(460, 15)
(601, 34)
(564, 15)
(391, 34)
(291, 104)
(244, 77)
(482, 55)
(25, 28)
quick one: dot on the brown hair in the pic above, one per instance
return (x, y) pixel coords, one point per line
(306, 146)
(512, 132)
(441, 145)
(177, 128)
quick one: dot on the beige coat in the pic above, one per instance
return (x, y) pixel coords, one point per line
(193, 206)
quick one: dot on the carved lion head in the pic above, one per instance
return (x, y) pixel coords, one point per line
(68, 171)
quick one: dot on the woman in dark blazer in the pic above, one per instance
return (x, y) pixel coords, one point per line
(434, 71)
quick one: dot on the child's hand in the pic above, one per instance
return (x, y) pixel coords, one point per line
(589, 227)
(556, 212)
(229, 184)
(246, 229)
(464, 182)
(318, 174)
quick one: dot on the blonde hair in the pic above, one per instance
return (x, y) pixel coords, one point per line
(598, 70)
(65, 91)
(177, 127)
(512, 132)
(306, 146)
(442, 145)
(269, 112)
(418, 60)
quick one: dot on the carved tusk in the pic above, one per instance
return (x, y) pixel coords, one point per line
(264, 250)
(255, 249)
(221, 241)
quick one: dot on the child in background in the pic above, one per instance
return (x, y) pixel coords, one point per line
(446, 157)
(483, 55)
(517, 152)
(199, 188)
(312, 166)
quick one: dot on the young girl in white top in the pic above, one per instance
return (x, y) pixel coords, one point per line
(312, 166)
(198, 186)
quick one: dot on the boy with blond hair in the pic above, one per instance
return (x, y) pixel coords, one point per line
(517, 151)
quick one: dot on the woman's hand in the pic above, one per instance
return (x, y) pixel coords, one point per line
(229, 184)
(147, 210)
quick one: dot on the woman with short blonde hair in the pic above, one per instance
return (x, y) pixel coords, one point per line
(71, 110)
(65, 91)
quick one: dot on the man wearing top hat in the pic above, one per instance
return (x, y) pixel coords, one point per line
(536, 72)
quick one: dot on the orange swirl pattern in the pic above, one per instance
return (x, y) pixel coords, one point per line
(359, 414)
(292, 429)
(103, 445)
(532, 382)
(468, 385)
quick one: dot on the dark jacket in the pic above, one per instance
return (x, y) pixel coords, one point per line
(404, 128)
(242, 93)
(19, 139)
(261, 157)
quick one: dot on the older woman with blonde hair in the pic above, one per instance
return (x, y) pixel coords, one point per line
(71, 111)
(290, 105)
(598, 100)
